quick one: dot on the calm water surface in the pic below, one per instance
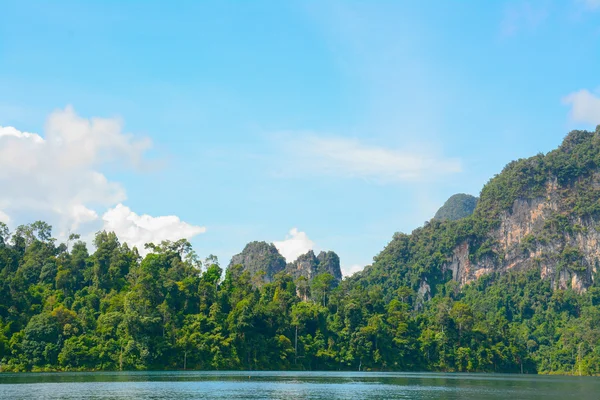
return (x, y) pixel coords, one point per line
(293, 385)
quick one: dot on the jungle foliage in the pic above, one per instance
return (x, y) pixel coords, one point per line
(63, 307)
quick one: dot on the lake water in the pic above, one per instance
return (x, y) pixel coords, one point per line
(293, 385)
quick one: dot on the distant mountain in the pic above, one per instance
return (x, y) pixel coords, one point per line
(541, 212)
(512, 287)
(308, 265)
(456, 207)
(262, 258)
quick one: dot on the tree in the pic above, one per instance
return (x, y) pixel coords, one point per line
(321, 286)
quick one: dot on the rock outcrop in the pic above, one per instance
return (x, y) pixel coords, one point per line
(540, 232)
(544, 212)
(539, 215)
(308, 265)
(260, 258)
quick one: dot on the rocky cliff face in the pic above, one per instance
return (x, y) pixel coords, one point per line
(305, 265)
(540, 232)
(541, 213)
(308, 265)
(329, 262)
(260, 258)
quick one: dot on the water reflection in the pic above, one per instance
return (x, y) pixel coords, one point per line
(291, 385)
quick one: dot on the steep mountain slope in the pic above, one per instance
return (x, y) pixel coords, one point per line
(541, 212)
(510, 288)
(260, 258)
(308, 265)
(264, 260)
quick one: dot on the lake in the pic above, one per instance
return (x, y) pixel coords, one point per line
(293, 385)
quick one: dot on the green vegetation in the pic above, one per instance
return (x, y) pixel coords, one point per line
(456, 207)
(62, 308)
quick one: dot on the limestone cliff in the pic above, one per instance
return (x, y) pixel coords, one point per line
(539, 232)
(540, 213)
(264, 261)
(260, 258)
(308, 265)
(553, 222)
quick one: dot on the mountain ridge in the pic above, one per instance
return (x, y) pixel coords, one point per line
(457, 206)
(511, 287)
(263, 260)
(541, 211)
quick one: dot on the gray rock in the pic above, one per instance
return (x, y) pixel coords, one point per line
(260, 257)
(308, 265)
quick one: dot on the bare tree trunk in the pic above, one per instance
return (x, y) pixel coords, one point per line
(521, 361)
(296, 347)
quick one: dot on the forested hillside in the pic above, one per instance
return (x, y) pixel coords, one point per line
(456, 207)
(510, 288)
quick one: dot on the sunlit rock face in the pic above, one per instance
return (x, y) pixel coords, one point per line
(543, 233)
(263, 261)
(540, 213)
(260, 259)
(308, 265)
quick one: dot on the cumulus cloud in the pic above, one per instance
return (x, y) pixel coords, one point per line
(4, 218)
(86, 142)
(585, 106)
(338, 156)
(349, 270)
(295, 244)
(138, 230)
(57, 177)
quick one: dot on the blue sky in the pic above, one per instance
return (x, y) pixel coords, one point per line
(344, 120)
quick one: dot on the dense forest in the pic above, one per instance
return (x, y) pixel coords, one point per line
(65, 307)
(458, 206)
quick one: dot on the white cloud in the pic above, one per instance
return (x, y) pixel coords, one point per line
(57, 178)
(349, 270)
(295, 244)
(337, 156)
(10, 131)
(86, 142)
(138, 230)
(585, 106)
(54, 177)
(4, 218)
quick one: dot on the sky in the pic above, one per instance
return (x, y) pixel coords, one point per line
(324, 125)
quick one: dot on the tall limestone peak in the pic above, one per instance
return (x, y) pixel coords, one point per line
(260, 258)
(329, 262)
(541, 213)
(305, 265)
(308, 265)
